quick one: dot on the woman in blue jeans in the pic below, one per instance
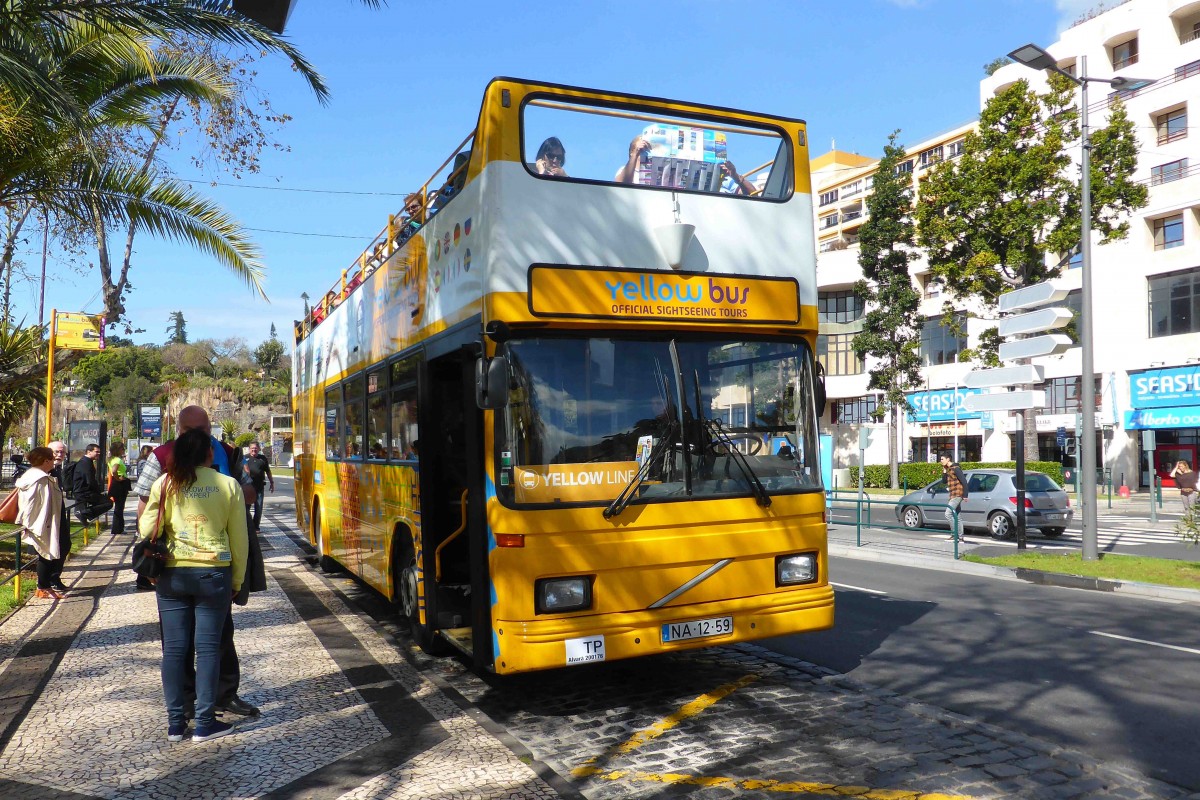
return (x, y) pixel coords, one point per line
(201, 514)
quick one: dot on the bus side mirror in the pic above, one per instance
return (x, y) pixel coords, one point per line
(491, 382)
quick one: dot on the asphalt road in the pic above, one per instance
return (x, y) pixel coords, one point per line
(1042, 660)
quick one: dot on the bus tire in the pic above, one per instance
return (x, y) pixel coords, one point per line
(326, 563)
(407, 593)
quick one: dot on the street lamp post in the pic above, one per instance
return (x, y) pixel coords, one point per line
(1036, 58)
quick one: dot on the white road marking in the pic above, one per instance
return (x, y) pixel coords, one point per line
(856, 588)
(1144, 641)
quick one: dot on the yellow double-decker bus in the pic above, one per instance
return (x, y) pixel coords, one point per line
(564, 408)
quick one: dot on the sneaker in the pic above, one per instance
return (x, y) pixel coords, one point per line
(58, 586)
(176, 732)
(214, 731)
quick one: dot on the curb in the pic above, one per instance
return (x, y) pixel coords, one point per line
(946, 564)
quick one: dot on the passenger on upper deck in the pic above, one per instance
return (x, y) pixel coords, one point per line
(734, 183)
(454, 183)
(551, 157)
(628, 172)
(410, 221)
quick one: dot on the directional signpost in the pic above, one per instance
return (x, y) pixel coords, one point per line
(1035, 319)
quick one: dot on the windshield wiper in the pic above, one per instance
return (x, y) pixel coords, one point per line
(626, 496)
(739, 458)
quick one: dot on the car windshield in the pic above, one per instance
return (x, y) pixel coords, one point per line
(1036, 482)
(584, 415)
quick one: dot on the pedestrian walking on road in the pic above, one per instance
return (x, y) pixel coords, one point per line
(259, 471)
(202, 515)
(956, 485)
(39, 512)
(1185, 479)
(118, 485)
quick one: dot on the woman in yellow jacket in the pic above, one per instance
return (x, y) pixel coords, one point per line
(202, 516)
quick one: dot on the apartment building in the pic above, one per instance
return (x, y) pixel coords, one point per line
(1146, 289)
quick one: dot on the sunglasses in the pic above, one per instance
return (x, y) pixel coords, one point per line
(559, 157)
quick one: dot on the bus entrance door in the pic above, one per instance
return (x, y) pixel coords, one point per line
(455, 545)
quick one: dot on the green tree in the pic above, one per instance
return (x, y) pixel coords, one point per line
(176, 328)
(122, 396)
(268, 356)
(1006, 212)
(73, 69)
(20, 349)
(891, 333)
(96, 371)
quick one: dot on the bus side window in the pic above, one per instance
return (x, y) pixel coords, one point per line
(355, 413)
(333, 424)
(403, 442)
(377, 414)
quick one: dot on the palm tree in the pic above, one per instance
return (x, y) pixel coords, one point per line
(72, 68)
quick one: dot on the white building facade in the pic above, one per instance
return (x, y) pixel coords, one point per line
(1146, 289)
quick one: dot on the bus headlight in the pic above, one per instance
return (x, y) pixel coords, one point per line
(790, 570)
(556, 595)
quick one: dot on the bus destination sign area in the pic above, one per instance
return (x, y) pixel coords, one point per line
(599, 293)
(571, 483)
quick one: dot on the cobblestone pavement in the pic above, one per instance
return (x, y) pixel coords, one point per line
(352, 710)
(344, 714)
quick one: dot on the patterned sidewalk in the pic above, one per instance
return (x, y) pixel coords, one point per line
(344, 714)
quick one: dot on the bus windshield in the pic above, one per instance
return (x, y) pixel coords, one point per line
(586, 415)
(572, 141)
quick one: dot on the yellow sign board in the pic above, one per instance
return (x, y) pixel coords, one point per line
(78, 331)
(601, 293)
(572, 483)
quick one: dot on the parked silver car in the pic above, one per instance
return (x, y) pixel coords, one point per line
(991, 504)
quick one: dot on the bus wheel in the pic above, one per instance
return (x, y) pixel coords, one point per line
(326, 563)
(407, 578)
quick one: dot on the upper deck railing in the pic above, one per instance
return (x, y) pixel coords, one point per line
(419, 207)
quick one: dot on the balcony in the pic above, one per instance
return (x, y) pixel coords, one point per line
(849, 216)
(828, 222)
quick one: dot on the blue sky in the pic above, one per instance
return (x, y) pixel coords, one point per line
(407, 83)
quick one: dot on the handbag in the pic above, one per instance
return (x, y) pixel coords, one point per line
(150, 554)
(9, 508)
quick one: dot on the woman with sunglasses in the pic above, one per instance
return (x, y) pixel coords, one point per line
(550, 158)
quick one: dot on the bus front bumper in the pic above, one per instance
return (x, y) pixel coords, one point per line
(527, 645)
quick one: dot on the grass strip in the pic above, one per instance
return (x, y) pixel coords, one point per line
(9, 602)
(1136, 569)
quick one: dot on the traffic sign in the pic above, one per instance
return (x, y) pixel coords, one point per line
(1007, 401)
(1003, 376)
(1051, 344)
(1039, 294)
(1043, 319)
(1060, 437)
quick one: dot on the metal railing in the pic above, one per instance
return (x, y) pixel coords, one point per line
(866, 509)
(15, 575)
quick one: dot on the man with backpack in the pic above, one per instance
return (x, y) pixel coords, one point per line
(90, 501)
(956, 485)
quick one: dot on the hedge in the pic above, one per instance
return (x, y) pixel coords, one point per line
(920, 473)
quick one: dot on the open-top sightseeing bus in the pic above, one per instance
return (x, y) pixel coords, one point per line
(564, 408)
